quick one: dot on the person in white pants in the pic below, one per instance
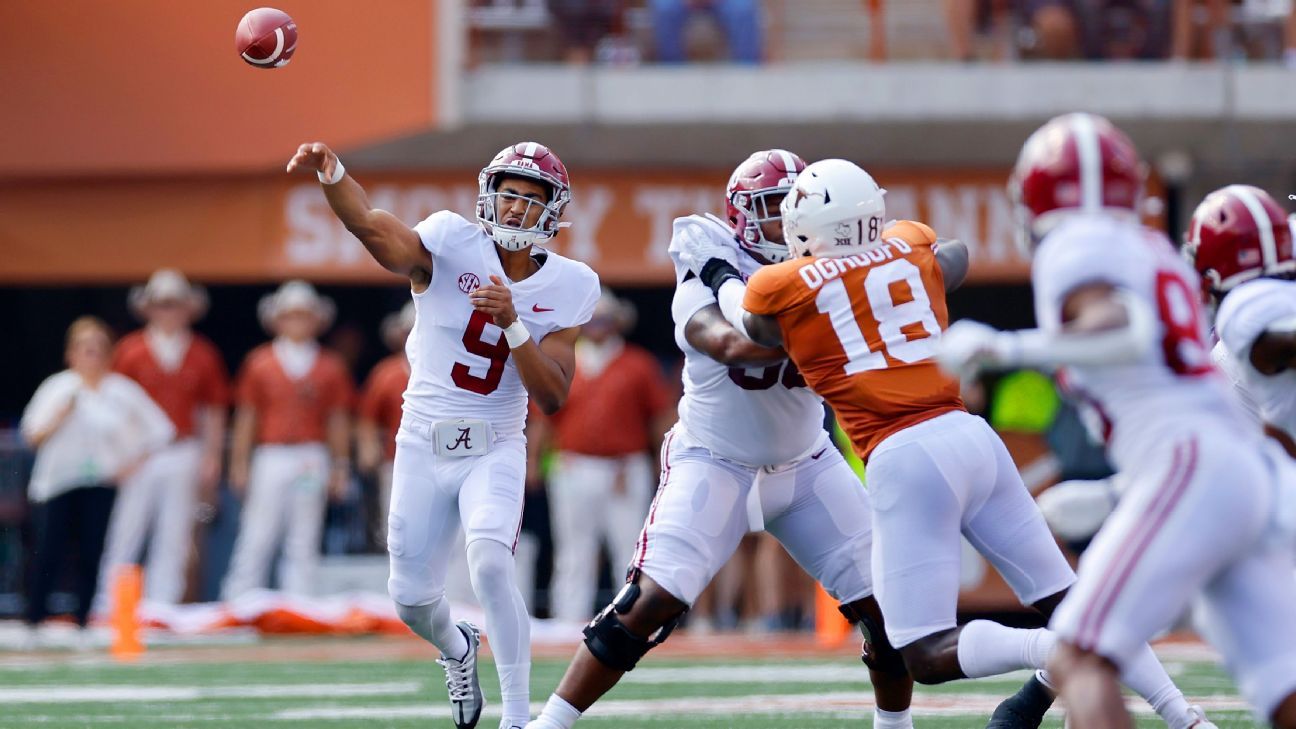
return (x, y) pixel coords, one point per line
(496, 322)
(619, 408)
(290, 442)
(183, 373)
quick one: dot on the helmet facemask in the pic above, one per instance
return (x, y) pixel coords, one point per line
(757, 207)
(516, 237)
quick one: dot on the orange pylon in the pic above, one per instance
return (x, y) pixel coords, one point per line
(128, 585)
(831, 627)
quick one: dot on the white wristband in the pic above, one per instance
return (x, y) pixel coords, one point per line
(339, 171)
(516, 334)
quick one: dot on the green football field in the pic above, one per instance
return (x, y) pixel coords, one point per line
(175, 688)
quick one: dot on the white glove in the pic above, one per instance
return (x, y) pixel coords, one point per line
(1075, 510)
(968, 347)
(696, 248)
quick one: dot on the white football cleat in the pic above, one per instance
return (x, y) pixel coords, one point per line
(1202, 722)
(466, 699)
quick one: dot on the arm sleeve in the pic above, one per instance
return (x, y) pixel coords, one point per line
(585, 311)
(1248, 313)
(691, 296)
(45, 404)
(435, 229)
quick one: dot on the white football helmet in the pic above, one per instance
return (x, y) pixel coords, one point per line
(835, 209)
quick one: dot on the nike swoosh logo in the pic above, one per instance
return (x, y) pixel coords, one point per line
(820, 453)
(539, 309)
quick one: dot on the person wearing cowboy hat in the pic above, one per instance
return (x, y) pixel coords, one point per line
(379, 413)
(182, 372)
(290, 443)
(618, 410)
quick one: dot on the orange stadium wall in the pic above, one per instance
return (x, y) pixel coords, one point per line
(263, 228)
(96, 87)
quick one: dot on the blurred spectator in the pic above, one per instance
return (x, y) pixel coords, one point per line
(618, 409)
(969, 20)
(91, 428)
(1070, 29)
(380, 412)
(739, 20)
(184, 374)
(293, 401)
(584, 24)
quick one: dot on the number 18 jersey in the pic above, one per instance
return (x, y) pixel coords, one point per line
(460, 363)
(862, 330)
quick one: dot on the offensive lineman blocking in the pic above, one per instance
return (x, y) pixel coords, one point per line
(749, 452)
(460, 452)
(860, 309)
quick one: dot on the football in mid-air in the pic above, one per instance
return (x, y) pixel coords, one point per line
(266, 37)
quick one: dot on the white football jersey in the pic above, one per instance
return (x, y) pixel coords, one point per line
(760, 416)
(1175, 384)
(459, 361)
(1246, 312)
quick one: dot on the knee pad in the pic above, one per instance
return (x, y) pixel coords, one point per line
(490, 563)
(608, 639)
(876, 651)
(419, 617)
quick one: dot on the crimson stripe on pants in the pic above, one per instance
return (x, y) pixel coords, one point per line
(1136, 544)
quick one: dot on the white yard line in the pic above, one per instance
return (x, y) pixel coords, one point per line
(835, 703)
(116, 693)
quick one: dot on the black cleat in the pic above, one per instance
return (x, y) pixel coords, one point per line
(1024, 709)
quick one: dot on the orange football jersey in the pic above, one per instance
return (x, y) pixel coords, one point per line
(862, 330)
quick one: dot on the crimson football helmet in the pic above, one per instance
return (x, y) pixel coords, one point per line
(762, 176)
(533, 161)
(1075, 163)
(1236, 234)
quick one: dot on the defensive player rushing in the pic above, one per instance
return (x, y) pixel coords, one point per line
(1120, 311)
(749, 451)
(497, 320)
(860, 309)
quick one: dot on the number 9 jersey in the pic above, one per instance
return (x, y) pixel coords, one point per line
(862, 330)
(459, 361)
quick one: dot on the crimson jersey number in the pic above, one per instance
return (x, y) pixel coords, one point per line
(497, 352)
(785, 372)
(1179, 309)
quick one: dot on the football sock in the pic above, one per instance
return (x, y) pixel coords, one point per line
(1148, 678)
(508, 627)
(892, 719)
(557, 714)
(987, 648)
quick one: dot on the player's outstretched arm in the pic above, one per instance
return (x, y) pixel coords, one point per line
(393, 244)
(710, 333)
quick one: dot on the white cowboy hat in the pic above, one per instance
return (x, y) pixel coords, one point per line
(295, 295)
(168, 284)
(620, 311)
(397, 325)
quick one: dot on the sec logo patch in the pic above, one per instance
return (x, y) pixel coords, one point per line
(469, 283)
